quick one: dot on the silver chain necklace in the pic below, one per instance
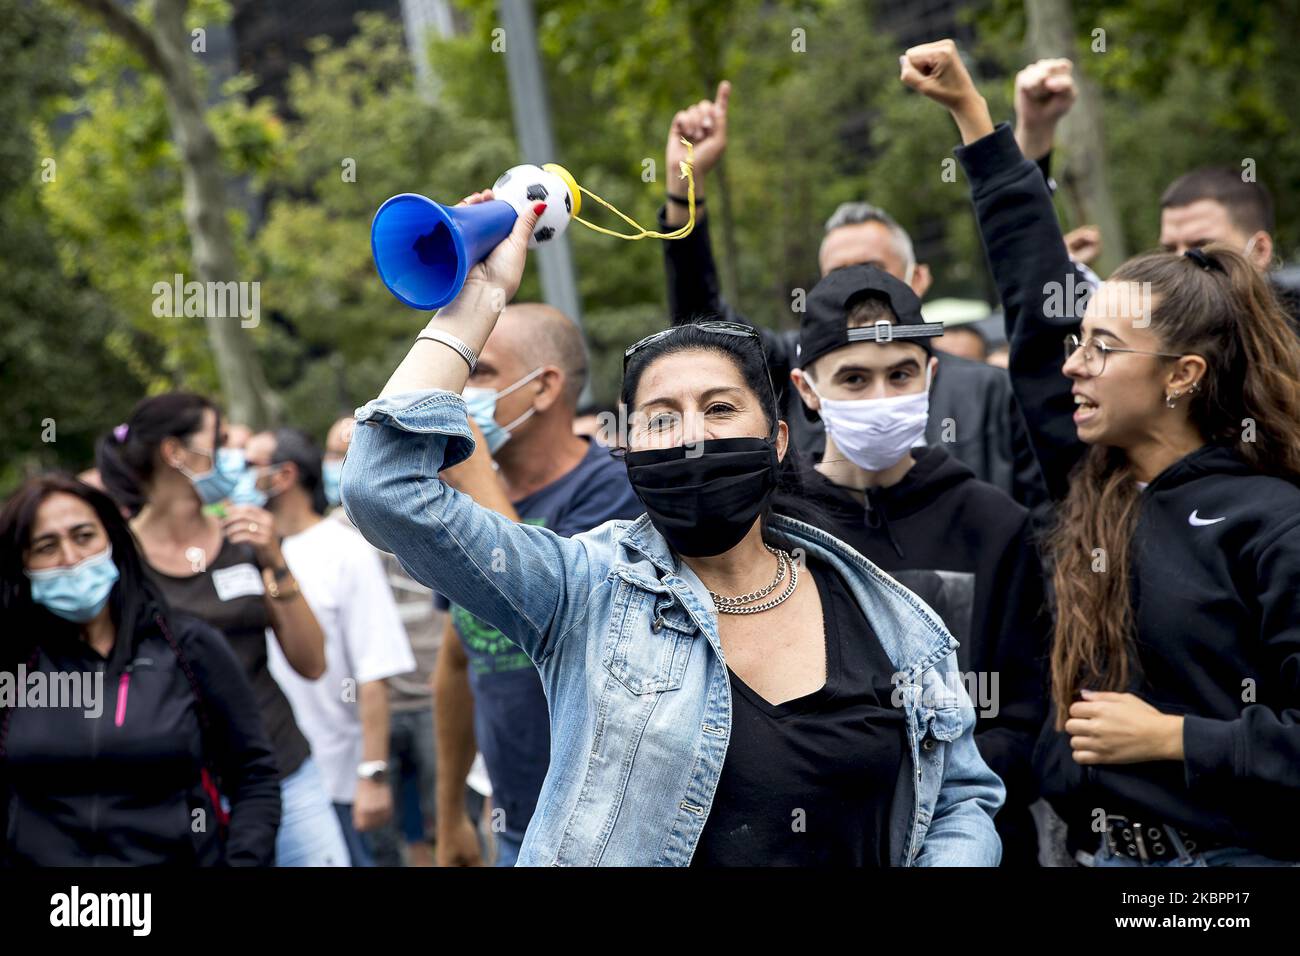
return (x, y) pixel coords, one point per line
(761, 592)
(739, 605)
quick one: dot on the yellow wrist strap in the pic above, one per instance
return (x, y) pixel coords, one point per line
(686, 168)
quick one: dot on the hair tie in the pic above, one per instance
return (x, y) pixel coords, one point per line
(1202, 260)
(120, 433)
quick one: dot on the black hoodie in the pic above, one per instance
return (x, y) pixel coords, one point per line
(125, 787)
(966, 549)
(971, 399)
(1214, 570)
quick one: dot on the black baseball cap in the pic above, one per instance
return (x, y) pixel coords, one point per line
(825, 325)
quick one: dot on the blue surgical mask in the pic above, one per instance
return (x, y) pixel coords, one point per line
(246, 491)
(217, 483)
(77, 593)
(332, 474)
(231, 460)
(481, 403)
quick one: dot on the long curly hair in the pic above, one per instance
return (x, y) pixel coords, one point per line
(1249, 398)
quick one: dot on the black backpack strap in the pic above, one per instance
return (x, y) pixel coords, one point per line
(32, 661)
(211, 778)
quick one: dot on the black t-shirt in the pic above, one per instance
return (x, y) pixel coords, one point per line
(811, 782)
(228, 596)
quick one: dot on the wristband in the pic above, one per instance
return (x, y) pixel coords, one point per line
(453, 343)
(683, 201)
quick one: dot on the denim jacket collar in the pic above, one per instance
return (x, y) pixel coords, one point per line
(642, 537)
(925, 641)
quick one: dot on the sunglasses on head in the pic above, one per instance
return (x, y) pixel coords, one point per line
(718, 327)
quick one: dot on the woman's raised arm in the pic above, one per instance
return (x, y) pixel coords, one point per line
(514, 576)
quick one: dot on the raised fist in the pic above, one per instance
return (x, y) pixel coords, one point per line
(936, 70)
(1044, 92)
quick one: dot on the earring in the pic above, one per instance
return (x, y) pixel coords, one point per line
(1172, 400)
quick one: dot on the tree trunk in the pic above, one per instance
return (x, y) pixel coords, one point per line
(165, 47)
(1081, 135)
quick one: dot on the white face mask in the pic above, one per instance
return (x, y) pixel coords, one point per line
(875, 433)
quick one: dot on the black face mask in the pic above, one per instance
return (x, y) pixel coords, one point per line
(704, 504)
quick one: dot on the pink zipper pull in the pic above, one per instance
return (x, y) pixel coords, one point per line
(123, 684)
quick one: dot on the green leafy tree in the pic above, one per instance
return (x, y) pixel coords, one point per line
(360, 134)
(62, 380)
(1182, 86)
(159, 46)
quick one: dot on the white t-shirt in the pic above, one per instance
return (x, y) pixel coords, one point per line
(343, 580)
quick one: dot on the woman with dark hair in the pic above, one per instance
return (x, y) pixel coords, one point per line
(853, 745)
(133, 766)
(222, 563)
(1171, 439)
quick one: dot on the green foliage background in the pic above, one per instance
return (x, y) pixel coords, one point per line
(1183, 86)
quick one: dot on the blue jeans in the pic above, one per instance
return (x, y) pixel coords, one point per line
(309, 832)
(1219, 856)
(358, 845)
(508, 843)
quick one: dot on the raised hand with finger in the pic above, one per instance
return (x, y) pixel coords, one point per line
(704, 125)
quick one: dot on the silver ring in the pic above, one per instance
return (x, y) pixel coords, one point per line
(252, 527)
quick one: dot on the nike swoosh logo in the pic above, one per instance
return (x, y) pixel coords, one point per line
(1196, 522)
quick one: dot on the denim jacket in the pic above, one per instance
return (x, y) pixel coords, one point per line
(625, 637)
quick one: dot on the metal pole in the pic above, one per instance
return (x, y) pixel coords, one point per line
(533, 127)
(419, 17)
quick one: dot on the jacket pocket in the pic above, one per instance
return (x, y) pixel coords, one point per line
(947, 723)
(944, 724)
(649, 640)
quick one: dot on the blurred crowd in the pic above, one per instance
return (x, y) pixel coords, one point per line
(272, 684)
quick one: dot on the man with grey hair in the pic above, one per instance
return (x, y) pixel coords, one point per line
(852, 225)
(972, 411)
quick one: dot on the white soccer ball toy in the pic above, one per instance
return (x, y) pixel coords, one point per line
(525, 186)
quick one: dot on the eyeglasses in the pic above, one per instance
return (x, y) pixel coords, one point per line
(1095, 352)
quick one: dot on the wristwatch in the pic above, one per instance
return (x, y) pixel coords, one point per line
(272, 584)
(376, 770)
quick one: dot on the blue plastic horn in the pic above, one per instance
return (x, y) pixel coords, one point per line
(424, 249)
